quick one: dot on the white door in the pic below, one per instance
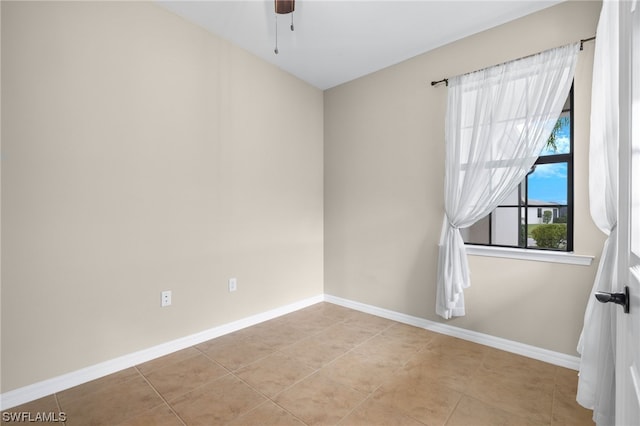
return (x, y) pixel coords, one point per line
(628, 325)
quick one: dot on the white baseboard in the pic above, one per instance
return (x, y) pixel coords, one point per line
(57, 384)
(556, 358)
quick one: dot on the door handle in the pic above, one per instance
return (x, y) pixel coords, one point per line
(617, 298)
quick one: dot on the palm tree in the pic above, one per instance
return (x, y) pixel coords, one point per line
(552, 141)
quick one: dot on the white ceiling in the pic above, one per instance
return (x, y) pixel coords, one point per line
(337, 41)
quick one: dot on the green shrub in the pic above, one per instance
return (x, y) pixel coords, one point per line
(561, 219)
(553, 235)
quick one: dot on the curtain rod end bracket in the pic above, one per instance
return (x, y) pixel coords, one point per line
(584, 40)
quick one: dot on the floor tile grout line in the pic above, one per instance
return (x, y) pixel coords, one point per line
(171, 364)
(500, 408)
(281, 349)
(454, 409)
(461, 393)
(101, 388)
(275, 349)
(368, 395)
(289, 412)
(232, 370)
(55, 397)
(475, 375)
(372, 393)
(268, 398)
(272, 398)
(227, 372)
(315, 372)
(349, 351)
(358, 405)
(266, 401)
(162, 398)
(553, 399)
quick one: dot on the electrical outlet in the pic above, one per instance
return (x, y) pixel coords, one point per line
(166, 298)
(233, 284)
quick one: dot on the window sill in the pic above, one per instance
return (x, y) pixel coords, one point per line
(535, 255)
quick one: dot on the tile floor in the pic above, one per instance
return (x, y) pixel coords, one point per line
(327, 365)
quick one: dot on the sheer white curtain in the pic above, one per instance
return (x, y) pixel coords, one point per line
(498, 121)
(596, 384)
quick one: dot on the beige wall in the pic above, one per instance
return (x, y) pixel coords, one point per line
(141, 154)
(384, 178)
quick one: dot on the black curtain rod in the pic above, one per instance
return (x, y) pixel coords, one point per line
(582, 42)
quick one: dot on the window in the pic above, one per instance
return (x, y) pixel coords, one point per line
(538, 214)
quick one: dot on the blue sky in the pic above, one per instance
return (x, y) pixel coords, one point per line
(549, 181)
